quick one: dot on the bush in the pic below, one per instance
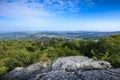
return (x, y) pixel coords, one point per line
(3, 70)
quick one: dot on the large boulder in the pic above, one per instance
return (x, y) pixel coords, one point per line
(74, 63)
(67, 68)
(101, 74)
(24, 73)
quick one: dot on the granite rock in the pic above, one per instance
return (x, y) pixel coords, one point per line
(24, 73)
(67, 68)
(74, 63)
(101, 74)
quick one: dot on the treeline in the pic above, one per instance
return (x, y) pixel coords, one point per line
(21, 53)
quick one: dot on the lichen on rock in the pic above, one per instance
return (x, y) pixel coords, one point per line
(67, 68)
(74, 63)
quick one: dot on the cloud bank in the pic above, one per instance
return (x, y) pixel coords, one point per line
(51, 14)
(38, 8)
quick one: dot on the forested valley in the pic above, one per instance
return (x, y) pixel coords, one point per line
(21, 53)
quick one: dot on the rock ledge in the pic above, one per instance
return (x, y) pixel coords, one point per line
(67, 68)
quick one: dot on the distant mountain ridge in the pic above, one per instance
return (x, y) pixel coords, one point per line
(94, 35)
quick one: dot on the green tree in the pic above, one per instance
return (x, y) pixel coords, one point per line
(110, 45)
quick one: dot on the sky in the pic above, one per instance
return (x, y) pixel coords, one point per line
(59, 15)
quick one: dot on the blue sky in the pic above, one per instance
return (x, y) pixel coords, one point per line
(59, 15)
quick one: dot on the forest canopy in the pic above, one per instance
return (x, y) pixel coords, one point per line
(21, 53)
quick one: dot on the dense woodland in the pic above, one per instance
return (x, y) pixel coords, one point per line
(21, 53)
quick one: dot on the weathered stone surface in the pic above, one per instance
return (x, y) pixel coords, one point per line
(102, 74)
(82, 68)
(74, 63)
(56, 75)
(24, 73)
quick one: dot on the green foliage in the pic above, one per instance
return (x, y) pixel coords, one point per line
(105, 56)
(114, 60)
(52, 53)
(3, 70)
(21, 53)
(10, 63)
(110, 49)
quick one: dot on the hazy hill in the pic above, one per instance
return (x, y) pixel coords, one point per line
(57, 34)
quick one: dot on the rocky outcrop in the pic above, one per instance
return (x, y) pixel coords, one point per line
(24, 73)
(101, 74)
(67, 68)
(74, 63)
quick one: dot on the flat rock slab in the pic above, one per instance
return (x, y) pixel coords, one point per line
(24, 73)
(74, 63)
(66, 68)
(103, 74)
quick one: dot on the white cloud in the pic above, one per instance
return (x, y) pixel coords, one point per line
(35, 8)
(18, 9)
(43, 13)
(30, 14)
